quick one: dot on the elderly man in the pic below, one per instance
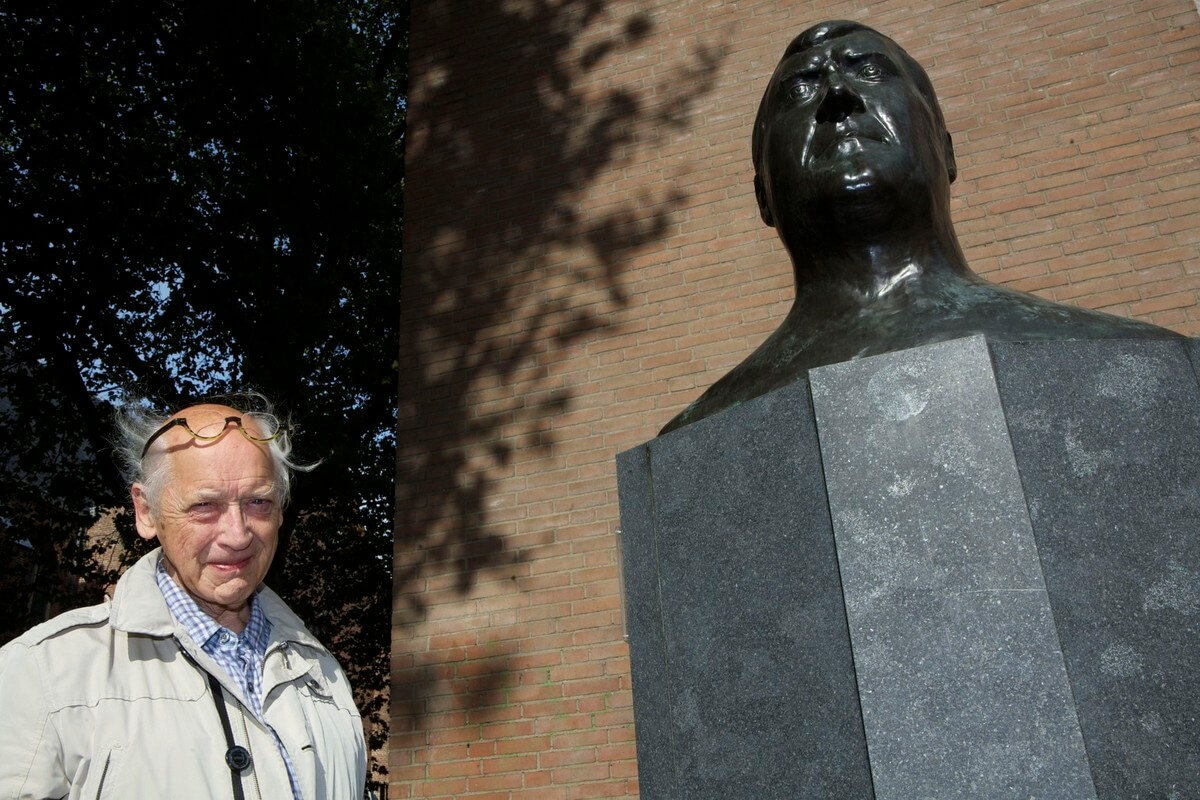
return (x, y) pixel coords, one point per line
(195, 681)
(853, 166)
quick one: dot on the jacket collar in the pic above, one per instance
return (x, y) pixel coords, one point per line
(137, 605)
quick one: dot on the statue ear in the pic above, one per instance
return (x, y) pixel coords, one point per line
(951, 166)
(760, 194)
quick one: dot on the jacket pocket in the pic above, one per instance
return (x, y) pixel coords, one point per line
(335, 738)
(107, 786)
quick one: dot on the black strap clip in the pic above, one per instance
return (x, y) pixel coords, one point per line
(237, 757)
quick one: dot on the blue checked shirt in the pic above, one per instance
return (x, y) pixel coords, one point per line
(240, 656)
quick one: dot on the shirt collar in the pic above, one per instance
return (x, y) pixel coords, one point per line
(258, 630)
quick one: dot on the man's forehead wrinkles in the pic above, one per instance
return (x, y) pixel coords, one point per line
(231, 487)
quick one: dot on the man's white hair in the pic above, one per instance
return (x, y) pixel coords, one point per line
(137, 420)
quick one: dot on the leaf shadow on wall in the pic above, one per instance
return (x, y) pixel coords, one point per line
(522, 114)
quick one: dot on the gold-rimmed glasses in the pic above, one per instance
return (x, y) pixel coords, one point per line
(181, 422)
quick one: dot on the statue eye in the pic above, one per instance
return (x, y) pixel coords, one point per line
(871, 72)
(802, 87)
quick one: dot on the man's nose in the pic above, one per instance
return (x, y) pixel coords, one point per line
(840, 99)
(234, 530)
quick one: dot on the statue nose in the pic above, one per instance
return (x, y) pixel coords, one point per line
(840, 99)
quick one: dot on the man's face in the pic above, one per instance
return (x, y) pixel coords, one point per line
(218, 517)
(846, 125)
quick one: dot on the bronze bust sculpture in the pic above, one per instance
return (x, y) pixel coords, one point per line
(853, 166)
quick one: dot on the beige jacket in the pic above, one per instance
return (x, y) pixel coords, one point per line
(102, 702)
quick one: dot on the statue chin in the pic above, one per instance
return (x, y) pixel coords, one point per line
(858, 198)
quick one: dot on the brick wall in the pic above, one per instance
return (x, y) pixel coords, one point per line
(584, 257)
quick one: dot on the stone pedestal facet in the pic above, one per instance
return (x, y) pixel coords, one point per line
(958, 571)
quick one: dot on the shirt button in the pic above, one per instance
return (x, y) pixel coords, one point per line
(226, 637)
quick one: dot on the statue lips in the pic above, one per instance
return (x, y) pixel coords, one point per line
(846, 136)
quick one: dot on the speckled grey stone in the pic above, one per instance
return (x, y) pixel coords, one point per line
(1107, 438)
(1193, 350)
(963, 687)
(970, 577)
(742, 675)
(651, 708)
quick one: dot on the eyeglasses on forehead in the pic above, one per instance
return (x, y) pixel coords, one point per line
(181, 422)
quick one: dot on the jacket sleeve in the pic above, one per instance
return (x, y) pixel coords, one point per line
(31, 764)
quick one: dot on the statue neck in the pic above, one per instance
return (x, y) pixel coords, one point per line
(841, 271)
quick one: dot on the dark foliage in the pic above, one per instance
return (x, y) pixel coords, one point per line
(195, 198)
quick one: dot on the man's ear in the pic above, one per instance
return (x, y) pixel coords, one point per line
(147, 527)
(951, 166)
(760, 194)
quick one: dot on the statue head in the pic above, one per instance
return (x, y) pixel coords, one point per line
(849, 129)
(853, 167)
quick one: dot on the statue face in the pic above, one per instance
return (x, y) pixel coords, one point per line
(848, 131)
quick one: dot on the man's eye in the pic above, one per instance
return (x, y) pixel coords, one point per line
(871, 72)
(260, 505)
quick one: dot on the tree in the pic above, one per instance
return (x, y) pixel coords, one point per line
(201, 198)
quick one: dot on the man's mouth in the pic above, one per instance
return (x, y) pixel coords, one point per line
(229, 566)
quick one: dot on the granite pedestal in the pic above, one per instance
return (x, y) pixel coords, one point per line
(966, 570)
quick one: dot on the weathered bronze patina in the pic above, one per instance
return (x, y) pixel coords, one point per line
(853, 166)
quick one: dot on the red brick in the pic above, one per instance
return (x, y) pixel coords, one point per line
(564, 310)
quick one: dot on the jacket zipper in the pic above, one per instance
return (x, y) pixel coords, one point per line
(283, 649)
(246, 733)
(103, 776)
